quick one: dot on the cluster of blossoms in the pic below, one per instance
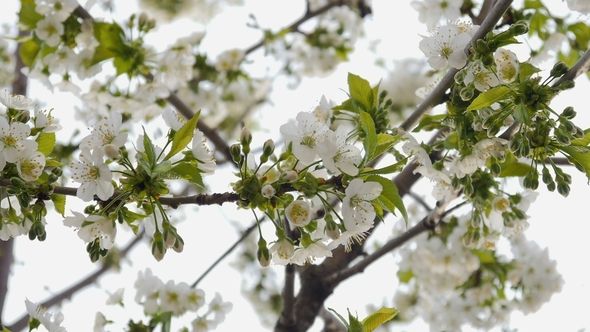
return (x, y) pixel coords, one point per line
(21, 159)
(157, 298)
(106, 144)
(179, 298)
(319, 51)
(450, 285)
(310, 141)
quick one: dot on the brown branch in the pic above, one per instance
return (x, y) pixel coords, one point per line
(21, 323)
(19, 86)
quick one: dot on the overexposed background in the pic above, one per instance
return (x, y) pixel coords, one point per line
(43, 269)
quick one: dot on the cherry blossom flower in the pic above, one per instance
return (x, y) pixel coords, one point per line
(93, 174)
(582, 6)
(481, 77)
(305, 136)
(308, 254)
(50, 29)
(337, 155)
(356, 205)
(116, 298)
(431, 12)
(446, 46)
(93, 227)
(106, 132)
(148, 286)
(202, 324)
(219, 308)
(52, 322)
(13, 139)
(45, 120)
(506, 65)
(61, 9)
(229, 60)
(298, 213)
(173, 297)
(204, 156)
(30, 165)
(323, 112)
(16, 101)
(282, 251)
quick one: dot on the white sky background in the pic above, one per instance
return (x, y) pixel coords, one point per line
(46, 268)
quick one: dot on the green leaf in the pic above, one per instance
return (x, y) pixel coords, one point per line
(486, 99)
(521, 114)
(347, 105)
(123, 65)
(405, 276)
(163, 167)
(485, 256)
(110, 37)
(52, 163)
(370, 140)
(394, 168)
(28, 16)
(430, 122)
(46, 143)
(28, 52)
(355, 324)
(360, 91)
(584, 141)
(60, 203)
(578, 154)
(341, 318)
(189, 172)
(384, 143)
(512, 167)
(526, 70)
(183, 136)
(389, 197)
(149, 150)
(378, 318)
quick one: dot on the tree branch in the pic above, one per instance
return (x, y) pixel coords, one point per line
(227, 252)
(19, 86)
(21, 323)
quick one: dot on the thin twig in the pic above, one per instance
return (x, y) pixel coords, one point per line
(227, 252)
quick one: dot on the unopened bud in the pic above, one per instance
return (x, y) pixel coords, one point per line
(111, 151)
(559, 69)
(268, 191)
(268, 148)
(289, 176)
(520, 28)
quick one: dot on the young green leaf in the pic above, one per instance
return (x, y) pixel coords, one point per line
(59, 201)
(486, 99)
(183, 136)
(189, 172)
(46, 143)
(370, 140)
(378, 318)
(390, 195)
(579, 154)
(361, 92)
(397, 167)
(28, 52)
(384, 143)
(28, 16)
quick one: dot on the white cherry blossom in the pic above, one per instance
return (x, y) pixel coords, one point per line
(93, 175)
(482, 78)
(50, 29)
(445, 46)
(298, 213)
(30, 165)
(106, 132)
(94, 227)
(339, 156)
(204, 156)
(13, 139)
(356, 205)
(16, 101)
(305, 136)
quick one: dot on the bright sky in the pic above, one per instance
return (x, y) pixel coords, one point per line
(45, 268)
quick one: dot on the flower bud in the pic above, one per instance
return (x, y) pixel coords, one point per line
(289, 176)
(520, 27)
(268, 148)
(235, 152)
(559, 69)
(245, 140)
(263, 254)
(111, 151)
(569, 113)
(268, 191)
